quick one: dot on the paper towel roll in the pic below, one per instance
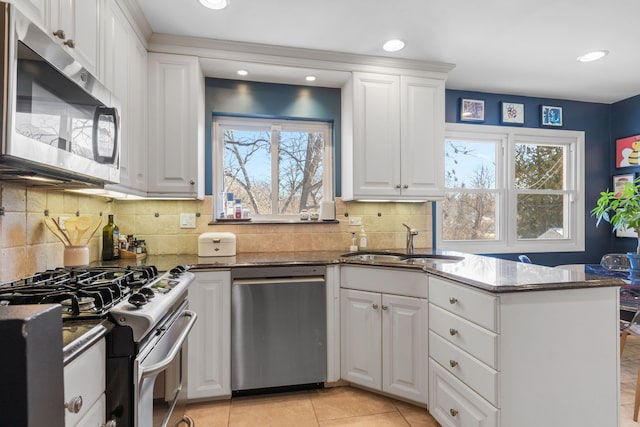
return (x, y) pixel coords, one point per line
(327, 211)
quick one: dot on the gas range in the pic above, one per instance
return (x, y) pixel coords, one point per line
(135, 296)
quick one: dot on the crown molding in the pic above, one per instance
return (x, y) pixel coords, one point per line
(294, 57)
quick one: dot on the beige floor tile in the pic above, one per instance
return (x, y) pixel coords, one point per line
(342, 402)
(415, 415)
(210, 414)
(389, 419)
(281, 410)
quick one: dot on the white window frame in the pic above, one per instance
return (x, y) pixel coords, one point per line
(506, 139)
(278, 124)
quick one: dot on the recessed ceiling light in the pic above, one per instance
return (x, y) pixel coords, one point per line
(242, 72)
(215, 4)
(593, 56)
(310, 78)
(393, 45)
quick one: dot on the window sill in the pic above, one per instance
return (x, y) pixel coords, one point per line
(271, 221)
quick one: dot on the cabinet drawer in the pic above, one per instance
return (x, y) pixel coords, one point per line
(385, 280)
(85, 378)
(476, 306)
(479, 342)
(453, 404)
(468, 369)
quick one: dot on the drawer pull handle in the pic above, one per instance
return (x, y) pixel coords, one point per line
(453, 332)
(375, 306)
(453, 363)
(385, 307)
(453, 300)
(74, 404)
(453, 412)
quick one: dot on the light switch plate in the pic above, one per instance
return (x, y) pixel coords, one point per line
(355, 220)
(187, 220)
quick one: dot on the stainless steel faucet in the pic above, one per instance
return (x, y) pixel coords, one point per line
(411, 234)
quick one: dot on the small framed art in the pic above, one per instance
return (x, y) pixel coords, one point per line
(551, 116)
(471, 110)
(512, 113)
(628, 151)
(619, 181)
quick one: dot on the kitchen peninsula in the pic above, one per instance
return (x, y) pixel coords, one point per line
(505, 343)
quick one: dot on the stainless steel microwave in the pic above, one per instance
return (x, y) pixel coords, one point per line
(58, 122)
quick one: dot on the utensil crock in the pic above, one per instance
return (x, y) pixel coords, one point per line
(76, 256)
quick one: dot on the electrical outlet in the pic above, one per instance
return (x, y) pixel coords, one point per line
(355, 220)
(187, 220)
(61, 220)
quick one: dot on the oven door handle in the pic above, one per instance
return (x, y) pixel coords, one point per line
(160, 366)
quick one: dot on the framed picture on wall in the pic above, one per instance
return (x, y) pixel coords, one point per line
(619, 181)
(551, 116)
(471, 110)
(628, 151)
(512, 113)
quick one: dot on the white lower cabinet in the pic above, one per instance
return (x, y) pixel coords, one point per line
(208, 360)
(523, 358)
(383, 338)
(84, 385)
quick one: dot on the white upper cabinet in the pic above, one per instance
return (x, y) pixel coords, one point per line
(76, 23)
(393, 135)
(124, 71)
(176, 126)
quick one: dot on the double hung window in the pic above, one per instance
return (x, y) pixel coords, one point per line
(512, 190)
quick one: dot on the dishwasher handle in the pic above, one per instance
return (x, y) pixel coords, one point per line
(160, 366)
(279, 280)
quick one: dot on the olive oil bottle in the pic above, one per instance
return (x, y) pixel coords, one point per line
(110, 243)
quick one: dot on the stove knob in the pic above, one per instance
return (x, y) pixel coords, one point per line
(147, 292)
(138, 299)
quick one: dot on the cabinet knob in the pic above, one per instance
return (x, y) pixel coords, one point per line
(398, 186)
(70, 43)
(453, 363)
(453, 332)
(74, 404)
(453, 300)
(110, 423)
(384, 307)
(405, 186)
(192, 182)
(453, 412)
(375, 306)
(59, 34)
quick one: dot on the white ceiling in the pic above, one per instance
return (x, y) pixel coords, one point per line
(521, 47)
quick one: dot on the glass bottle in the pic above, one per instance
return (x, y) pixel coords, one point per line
(110, 241)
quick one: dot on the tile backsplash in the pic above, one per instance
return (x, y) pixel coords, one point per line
(28, 246)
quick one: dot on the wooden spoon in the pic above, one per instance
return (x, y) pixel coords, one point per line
(71, 225)
(95, 228)
(82, 225)
(53, 227)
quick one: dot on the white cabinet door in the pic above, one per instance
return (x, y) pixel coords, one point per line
(176, 126)
(422, 136)
(361, 339)
(76, 25)
(124, 72)
(376, 135)
(393, 136)
(208, 361)
(404, 347)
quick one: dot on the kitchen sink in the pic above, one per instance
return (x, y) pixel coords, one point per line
(431, 259)
(376, 257)
(396, 257)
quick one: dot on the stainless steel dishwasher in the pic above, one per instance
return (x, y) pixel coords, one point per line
(278, 328)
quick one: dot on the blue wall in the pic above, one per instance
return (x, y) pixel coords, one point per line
(592, 118)
(602, 124)
(625, 121)
(270, 100)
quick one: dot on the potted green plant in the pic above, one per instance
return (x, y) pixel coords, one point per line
(622, 210)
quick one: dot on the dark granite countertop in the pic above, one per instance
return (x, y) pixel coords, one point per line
(483, 272)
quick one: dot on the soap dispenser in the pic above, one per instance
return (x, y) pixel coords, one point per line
(363, 239)
(353, 247)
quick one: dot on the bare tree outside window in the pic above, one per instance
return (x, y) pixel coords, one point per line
(276, 169)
